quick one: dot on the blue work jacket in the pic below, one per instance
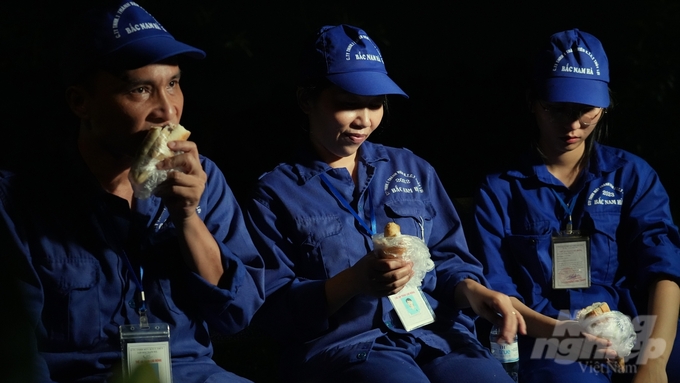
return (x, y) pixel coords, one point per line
(618, 201)
(68, 239)
(306, 236)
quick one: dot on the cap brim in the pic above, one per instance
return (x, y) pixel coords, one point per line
(580, 91)
(150, 50)
(366, 83)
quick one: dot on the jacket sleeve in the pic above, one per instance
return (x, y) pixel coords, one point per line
(230, 306)
(448, 245)
(295, 307)
(22, 300)
(488, 239)
(650, 237)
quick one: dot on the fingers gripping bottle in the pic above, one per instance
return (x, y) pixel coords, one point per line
(507, 354)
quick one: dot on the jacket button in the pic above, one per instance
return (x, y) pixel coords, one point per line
(361, 355)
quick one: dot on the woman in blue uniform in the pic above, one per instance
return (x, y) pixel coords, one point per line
(313, 219)
(573, 190)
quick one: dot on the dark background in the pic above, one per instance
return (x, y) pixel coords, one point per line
(462, 64)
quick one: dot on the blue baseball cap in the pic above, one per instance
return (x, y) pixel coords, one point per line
(120, 37)
(573, 67)
(348, 58)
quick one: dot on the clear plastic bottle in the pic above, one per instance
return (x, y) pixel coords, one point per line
(507, 354)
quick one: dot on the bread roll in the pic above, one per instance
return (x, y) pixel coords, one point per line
(391, 248)
(594, 310)
(597, 308)
(155, 149)
(392, 230)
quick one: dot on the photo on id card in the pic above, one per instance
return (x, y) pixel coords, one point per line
(412, 308)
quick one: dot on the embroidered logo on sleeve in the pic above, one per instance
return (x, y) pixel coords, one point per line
(606, 194)
(403, 182)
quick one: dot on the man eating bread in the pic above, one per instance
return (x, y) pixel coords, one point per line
(113, 282)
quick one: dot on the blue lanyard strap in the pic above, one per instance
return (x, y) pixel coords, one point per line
(371, 230)
(143, 319)
(568, 209)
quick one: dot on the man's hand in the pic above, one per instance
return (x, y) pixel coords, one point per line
(182, 190)
(181, 193)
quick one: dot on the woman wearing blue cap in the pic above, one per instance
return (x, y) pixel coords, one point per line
(576, 222)
(336, 303)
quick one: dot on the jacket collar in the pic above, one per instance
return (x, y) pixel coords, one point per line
(603, 160)
(309, 165)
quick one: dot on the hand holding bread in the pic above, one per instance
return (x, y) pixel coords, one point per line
(597, 319)
(144, 175)
(393, 244)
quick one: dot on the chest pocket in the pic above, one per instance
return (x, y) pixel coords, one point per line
(602, 228)
(533, 262)
(414, 216)
(72, 302)
(529, 247)
(324, 246)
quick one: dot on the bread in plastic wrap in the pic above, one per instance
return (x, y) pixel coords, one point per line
(597, 319)
(392, 243)
(144, 175)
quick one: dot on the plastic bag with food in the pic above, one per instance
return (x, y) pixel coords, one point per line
(597, 319)
(144, 175)
(392, 243)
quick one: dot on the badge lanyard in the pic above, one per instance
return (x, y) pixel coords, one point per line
(148, 342)
(143, 319)
(412, 317)
(370, 229)
(569, 209)
(570, 253)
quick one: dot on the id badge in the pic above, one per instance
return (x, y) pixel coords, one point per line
(147, 346)
(571, 261)
(412, 307)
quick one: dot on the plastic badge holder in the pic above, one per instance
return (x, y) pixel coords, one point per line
(147, 345)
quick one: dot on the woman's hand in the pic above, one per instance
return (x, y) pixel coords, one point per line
(493, 306)
(372, 275)
(540, 326)
(381, 276)
(571, 329)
